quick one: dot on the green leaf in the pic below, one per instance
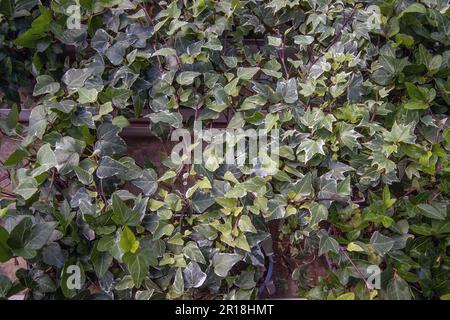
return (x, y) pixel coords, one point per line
(187, 77)
(201, 201)
(194, 277)
(53, 255)
(5, 286)
(101, 262)
(438, 211)
(274, 41)
(87, 95)
(27, 188)
(45, 84)
(38, 30)
(303, 187)
(191, 251)
(398, 289)
(247, 73)
(173, 119)
(311, 148)
(106, 243)
(46, 157)
(416, 105)
(122, 215)
(128, 241)
(75, 78)
(164, 52)
(414, 8)
(148, 182)
(287, 89)
(400, 133)
(137, 266)
(223, 262)
(318, 213)
(10, 123)
(15, 157)
(327, 243)
(348, 136)
(84, 176)
(5, 251)
(381, 243)
(346, 296)
(178, 282)
(246, 225)
(109, 167)
(37, 124)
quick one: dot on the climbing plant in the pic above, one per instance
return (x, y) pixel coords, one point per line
(358, 92)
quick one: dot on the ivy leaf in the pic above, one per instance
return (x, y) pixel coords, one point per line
(311, 148)
(127, 240)
(191, 251)
(178, 282)
(223, 262)
(40, 234)
(201, 201)
(247, 73)
(241, 242)
(246, 225)
(148, 182)
(15, 157)
(137, 266)
(346, 296)
(46, 157)
(303, 187)
(187, 77)
(27, 188)
(5, 286)
(438, 211)
(398, 289)
(101, 262)
(123, 215)
(381, 243)
(84, 176)
(173, 119)
(327, 243)
(194, 277)
(87, 95)
(75, 78)
(318, 213)
(37, 124)
(5, 251)
(416, 105)
(400, 133)
(38, 30)
(53, 255)
(348, 136)
(287, 89)
(9, 124)
(45, 84)
(109, 167)
(100, 41)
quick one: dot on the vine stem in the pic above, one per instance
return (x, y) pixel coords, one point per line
(161, 69)
(344, 251)
(282, 57)
(336, 37)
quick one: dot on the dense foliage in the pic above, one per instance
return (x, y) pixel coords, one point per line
(358, 90)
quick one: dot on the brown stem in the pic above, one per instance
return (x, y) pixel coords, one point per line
(336, 37)
(356, 268)
(282, 57)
